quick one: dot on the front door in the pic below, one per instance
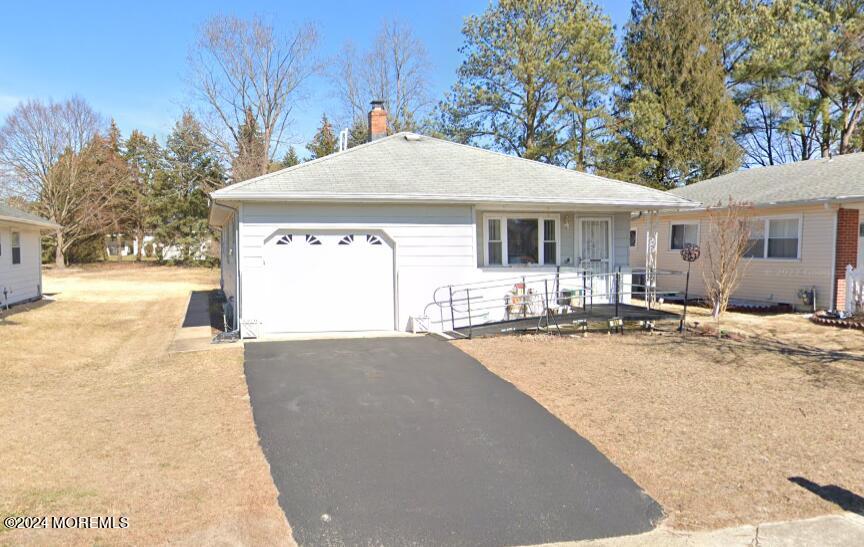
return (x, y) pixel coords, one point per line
(594, 255)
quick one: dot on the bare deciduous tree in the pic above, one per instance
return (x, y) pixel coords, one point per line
(44, 151)
(725, 243)
(394, 70)
(246, 67)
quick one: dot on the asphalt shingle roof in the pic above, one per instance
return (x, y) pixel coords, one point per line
(13, 214)
(414, 167)
(810, 180)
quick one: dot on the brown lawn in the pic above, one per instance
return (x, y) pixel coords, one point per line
(99, 420)
(713, 430)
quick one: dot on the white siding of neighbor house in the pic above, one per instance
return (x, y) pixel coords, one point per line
(764, 280)
(435, 245)
(21, 281)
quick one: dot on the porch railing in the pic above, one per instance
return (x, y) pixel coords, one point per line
(541, 296)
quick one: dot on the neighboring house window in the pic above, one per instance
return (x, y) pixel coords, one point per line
(632, 238)
(756, 242)
(16, 248)
(783, 238)
(521, 239)
(684, 234)
(774, 238)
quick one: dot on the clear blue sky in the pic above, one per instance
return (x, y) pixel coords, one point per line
(129, 59)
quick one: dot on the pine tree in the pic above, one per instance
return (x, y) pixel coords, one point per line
(190, 171)
(290, 159)
(678, 118)
(324, 142)
(534, 81)
(143, 157)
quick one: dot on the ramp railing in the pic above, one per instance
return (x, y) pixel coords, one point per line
(542, 296)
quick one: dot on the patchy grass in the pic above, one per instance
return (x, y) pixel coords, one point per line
(100, 420)
(713, 430)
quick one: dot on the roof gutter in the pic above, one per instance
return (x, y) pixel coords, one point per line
(44, 224)
(679, 203)
(776, 204)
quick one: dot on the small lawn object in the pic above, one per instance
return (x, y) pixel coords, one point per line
(689, 254)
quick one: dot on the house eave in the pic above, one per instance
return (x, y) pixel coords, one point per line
(825, 202)
(594, 203)
(42, 225)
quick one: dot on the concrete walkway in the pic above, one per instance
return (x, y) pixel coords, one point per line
(194, 333)
(828, 531)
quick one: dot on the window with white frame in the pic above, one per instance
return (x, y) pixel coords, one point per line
(774, 238)
(682, 235)
(783, 238)
(494, 242)
(519, 239)
(756, 240)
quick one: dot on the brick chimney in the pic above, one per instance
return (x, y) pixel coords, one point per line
(377, 121)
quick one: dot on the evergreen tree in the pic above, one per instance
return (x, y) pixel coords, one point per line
(143, 157)
(677, 117)
(534, 81)
(290, 159)
(190, 172)
(325, 141)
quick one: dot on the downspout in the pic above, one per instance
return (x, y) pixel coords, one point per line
(833, 261)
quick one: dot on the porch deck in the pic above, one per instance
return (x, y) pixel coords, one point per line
(597, 316)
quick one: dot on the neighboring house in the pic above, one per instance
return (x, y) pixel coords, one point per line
(360, 239)
(128, 246)
(21, 255)
(807, 229)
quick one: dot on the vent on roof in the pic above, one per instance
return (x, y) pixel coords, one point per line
(412, 137)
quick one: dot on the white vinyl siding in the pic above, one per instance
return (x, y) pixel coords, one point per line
(434, 246)
(764, 280)
(23, 280)
(228, 263)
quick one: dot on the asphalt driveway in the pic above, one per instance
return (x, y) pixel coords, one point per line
(409, 441)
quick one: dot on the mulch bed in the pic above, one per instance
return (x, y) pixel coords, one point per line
(822, 318)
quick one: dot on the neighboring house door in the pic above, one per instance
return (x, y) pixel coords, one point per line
(324, 281)
(595, 252)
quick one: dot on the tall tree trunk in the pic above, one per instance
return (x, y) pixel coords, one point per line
(139, 239)
(59, 258)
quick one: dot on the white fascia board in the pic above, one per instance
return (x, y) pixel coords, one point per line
(775, 204)
(44, 225)
(675, 203)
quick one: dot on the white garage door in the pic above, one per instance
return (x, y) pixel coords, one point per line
(323, 281)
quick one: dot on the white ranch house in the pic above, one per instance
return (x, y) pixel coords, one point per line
(21, 255)
(807, 229)
(361, 239)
